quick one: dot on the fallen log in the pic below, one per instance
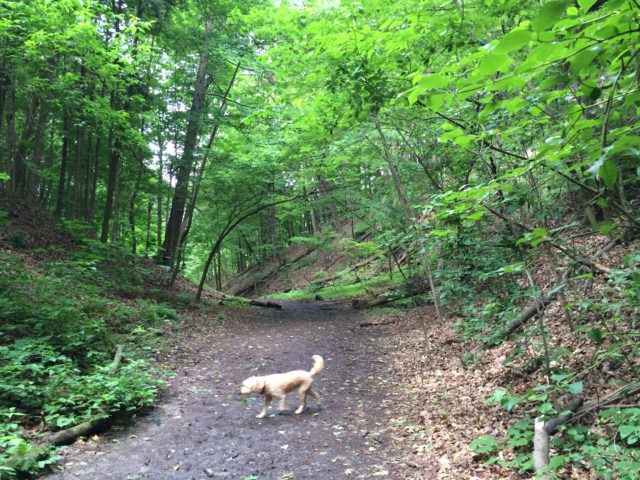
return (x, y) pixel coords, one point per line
(382, 299)
(623, 392)
(539, 304)
(529, 312)
(589, 262)
(265, 304)
(69, 435)
(376, 301)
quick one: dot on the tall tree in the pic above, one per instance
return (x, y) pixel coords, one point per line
(185, 165)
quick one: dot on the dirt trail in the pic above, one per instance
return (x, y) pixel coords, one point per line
(204, 429)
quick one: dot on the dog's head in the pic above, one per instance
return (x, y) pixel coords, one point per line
(252, 385)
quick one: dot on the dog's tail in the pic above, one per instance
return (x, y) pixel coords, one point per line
(318, 365)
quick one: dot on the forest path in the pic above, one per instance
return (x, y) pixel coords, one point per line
(205, 429)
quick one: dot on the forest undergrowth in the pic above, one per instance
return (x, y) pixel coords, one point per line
(474, 408)
(68, 304)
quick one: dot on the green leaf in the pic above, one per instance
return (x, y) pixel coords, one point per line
(434, 81)
(485, 444)
(510, 402)
(440, 233)
(437, 100)
(513, 40)
(451, 134)
(464, 140)
(559, 377)
(575, 388)
(586, 4)
(584, 60)
(475, 216)
(494, 62)
(545, 53)
(546, 408)
(594, 94)
(631, 433)
(548, 15)
(514, 105)
(605, 169)
(605, 227)
(608, 172)
(425, 83)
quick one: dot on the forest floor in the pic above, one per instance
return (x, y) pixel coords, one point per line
(203, 428)
(397, 402)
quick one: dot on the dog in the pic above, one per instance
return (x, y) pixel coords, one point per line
(279, 384)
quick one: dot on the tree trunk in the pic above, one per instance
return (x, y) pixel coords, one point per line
(402, 196)
(94, 180)
(159, 195)
(185, 166)
(132, 209)
(147, 244)
(60, 203)
(117, 208)
(184, 230)
(219, 273)
(112, 180)
(19, 178)
(77, 175)
(86, 189)
(5, 84)
(11, 133)
(33, 180)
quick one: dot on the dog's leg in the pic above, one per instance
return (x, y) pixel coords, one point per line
(267, 401)
(281, 405)
(303, 401)
(315, 396)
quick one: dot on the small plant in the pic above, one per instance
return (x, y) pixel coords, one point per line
(17, 454)
(17, 238)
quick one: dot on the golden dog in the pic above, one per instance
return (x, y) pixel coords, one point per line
(279, 384)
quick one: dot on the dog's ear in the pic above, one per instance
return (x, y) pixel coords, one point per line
(260, 384)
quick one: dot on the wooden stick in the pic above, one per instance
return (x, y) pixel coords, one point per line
(543, 429)
(540, 446)
(116, 360)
